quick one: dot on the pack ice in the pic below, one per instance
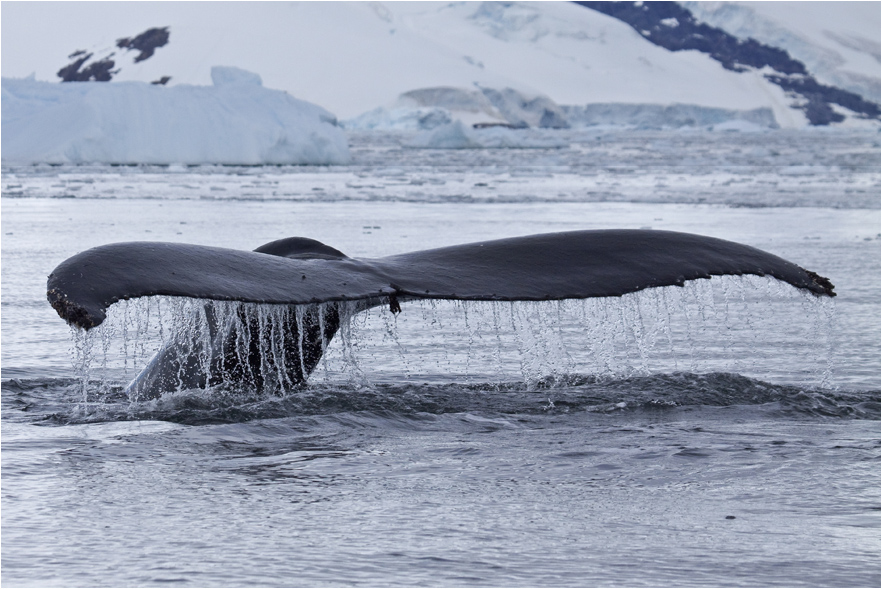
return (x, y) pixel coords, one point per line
(234, 121)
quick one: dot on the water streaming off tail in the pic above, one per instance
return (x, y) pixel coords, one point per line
(750, 325)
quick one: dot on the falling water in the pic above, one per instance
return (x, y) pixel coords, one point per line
(750, 325)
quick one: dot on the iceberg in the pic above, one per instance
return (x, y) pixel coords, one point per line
(235, 121)
(469, 106)
(457, 135)
(400, 119)
(526, 111)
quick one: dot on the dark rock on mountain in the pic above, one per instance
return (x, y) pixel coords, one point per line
(819, 97)
(669, 25)
(101, 70)
(97, 71)
(147, 42)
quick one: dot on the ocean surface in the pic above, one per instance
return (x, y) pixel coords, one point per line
(724, 434)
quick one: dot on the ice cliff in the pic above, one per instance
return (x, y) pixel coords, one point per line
(426, 109)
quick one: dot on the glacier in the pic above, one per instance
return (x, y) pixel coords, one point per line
(234, 121)
(426, 109)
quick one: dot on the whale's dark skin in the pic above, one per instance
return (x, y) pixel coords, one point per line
(297, 271)
(180, 364)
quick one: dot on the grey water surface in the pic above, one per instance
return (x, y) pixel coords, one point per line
(724, 434)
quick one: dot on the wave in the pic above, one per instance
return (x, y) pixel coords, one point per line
(62, 401)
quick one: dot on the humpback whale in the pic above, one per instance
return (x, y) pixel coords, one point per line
(301, 272)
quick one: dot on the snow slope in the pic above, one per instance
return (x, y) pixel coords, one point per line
(353, 57)
(839, 42)
(236, 121)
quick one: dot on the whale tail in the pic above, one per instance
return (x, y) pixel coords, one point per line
(304, 277)
(236, 344)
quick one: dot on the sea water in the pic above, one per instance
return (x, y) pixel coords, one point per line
(725, 433)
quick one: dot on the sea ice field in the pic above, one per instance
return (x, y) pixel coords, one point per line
(721, 434)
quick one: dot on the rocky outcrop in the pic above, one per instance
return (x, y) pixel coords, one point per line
(147, 42)
(101, 69)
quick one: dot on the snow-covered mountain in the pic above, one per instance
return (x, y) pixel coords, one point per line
(674, 27)
(838, 44)
(352, 57)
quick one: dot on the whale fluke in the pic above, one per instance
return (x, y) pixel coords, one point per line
(301, 271)
(577, 264)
